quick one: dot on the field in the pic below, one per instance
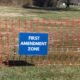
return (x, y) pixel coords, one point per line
(70, 70)
(40, 73)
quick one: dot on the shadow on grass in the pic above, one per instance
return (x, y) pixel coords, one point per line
(16, 63)
(52, 9)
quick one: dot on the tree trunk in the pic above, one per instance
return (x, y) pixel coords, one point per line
(45, 3)
(67, 3)
(54, 3)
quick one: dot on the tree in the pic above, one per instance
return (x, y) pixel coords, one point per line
(51, 3)
(45, 3)
(67, 3)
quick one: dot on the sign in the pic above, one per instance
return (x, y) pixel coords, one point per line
(33, 44)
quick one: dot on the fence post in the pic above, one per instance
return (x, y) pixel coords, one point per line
(67, 35)
(1, 47)
(61, 33)
(25, 30)
(19, 25)
(37, 29)
(14, 41)
(56, 38)
(25, 25)
(7, 36)
(72, 36)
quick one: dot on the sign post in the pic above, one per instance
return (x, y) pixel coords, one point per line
(33, 44)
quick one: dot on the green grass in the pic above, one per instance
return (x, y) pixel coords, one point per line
(72, 13)
(40, 73)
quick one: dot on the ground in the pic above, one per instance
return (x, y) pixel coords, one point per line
(40, 72)
(41, 13)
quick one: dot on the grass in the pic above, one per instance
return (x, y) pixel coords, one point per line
(40, 73)
(72, 13)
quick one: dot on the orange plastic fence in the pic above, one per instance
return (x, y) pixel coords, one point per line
(64, 40)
